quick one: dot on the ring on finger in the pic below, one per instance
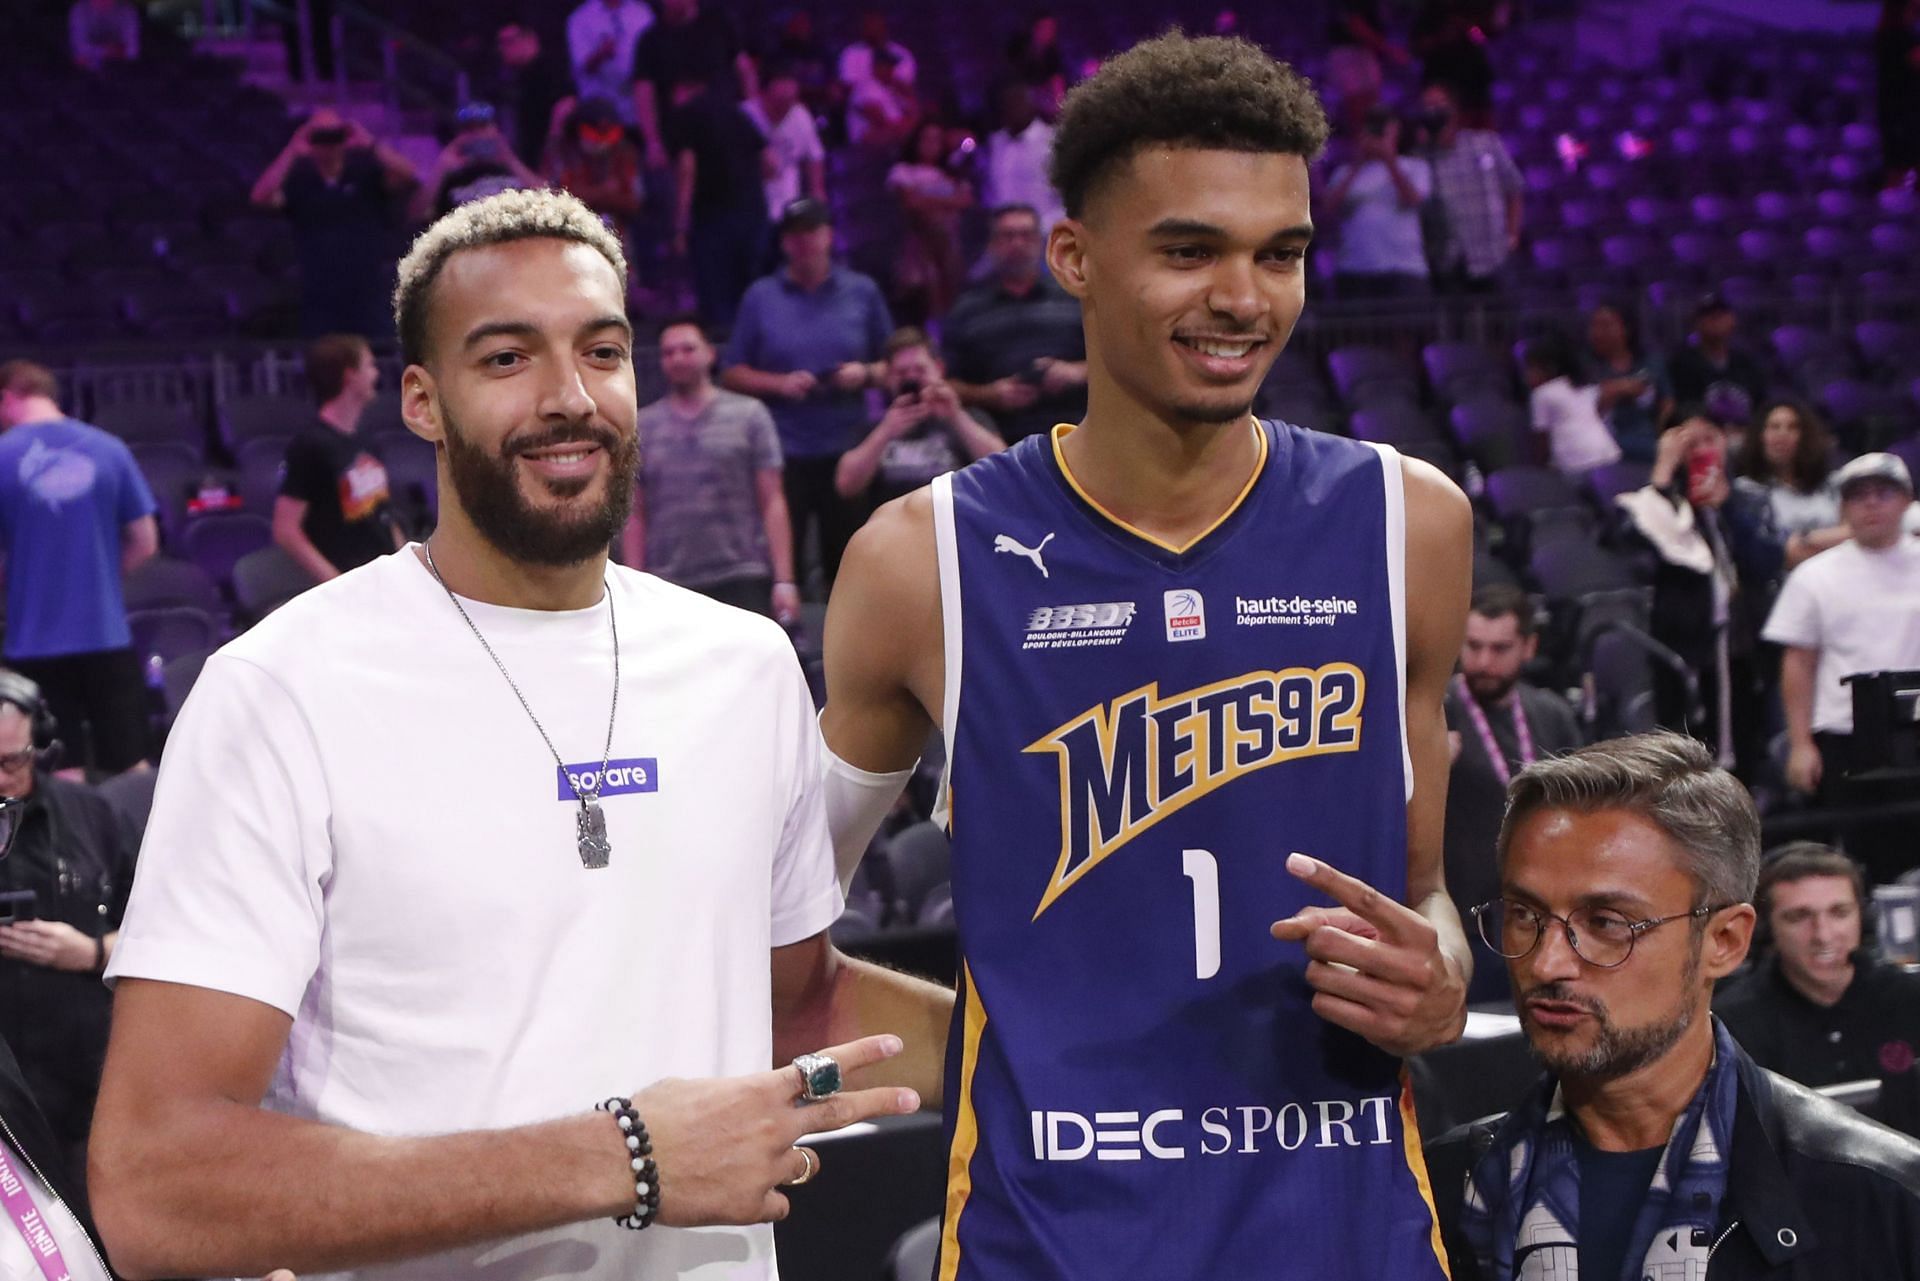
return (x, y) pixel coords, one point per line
(812, 1163)
(819, 1077)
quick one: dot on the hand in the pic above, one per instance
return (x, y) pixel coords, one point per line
(903, 415)
(797, 385)
(1376, 965)
(357, 135)
(725, 1146)
(1057, 376)
(1804, 767)
(53, 945)
(1671, 452)
(941, 400)
(786, 604)
(1011, 394)
(851, 376)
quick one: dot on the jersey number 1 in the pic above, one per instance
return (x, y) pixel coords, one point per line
(1204, 871)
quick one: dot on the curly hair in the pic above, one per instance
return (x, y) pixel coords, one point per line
(1812, 460)
(496, 220)
(1213, 92)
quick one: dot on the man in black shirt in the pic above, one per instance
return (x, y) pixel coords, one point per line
(720, 204)
(1014, 344)
(334, 513)
(65, 884)
(1821, 1009)
(688, 42)
(341, 191)
(1708, 370)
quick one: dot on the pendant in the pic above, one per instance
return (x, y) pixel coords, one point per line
(592, 835)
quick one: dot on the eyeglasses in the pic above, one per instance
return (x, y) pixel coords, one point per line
(1598, 935)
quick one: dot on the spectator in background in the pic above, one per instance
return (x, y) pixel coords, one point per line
(103, 31)
(1708, 370)
(1478, 190)
(807, 341)
(926, 432)
(881, 106)
(1497, 725)
(1853, 608)
(1716, 563)
(1634, 398)
(932, 197)
(710, 513)
(859, 61)
(1357, 46)
(1790, 463)
(688, 42)
(1820, 1008)
(1451, 37)
(796, 48)
(528, 86)
(1896, 49)
(601, 35)
(1014, 343)
(477, 162)
(1565, 415)
(341, 191)
(75, 517)
(1375, 200)
(75, 856)
(591, 156)
(794, 163)
(720, 209)
(1017, 156)
(1034, 59)
(334, 512)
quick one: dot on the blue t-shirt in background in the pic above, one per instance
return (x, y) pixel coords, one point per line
(67, 491)
(1613, 1187)
(782, 328)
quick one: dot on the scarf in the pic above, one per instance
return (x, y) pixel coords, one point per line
(1521, 1215)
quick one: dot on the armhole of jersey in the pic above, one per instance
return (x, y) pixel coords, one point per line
(947, 548)
(1394, 485)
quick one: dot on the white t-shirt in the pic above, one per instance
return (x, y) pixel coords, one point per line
(1569, 417)
(1017, 172)
(589, 25)
(856, 63)
(1378, 234)
(357, 824)
(18, 1259)
(1861, 610)
(792, 142)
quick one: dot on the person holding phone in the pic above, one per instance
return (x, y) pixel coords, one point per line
(1717, 568)
(926, 431)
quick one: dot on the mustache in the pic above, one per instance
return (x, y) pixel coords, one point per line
(564, 434)
(1558, 992)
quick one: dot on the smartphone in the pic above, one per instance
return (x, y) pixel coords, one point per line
(18, 905)
(1703, 470)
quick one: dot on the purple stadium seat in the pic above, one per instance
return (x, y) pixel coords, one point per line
(215, 540)
(1834, 244)
(164, 580)
(1515, 493)
(1623, 477)
(1370, 375)
(1701, 252)
(171, 469)
(1746, 292)
(259, 460)
(1852, 170)
(1494, 433)
(1394, 423)
(1564, 255)
(1861, 138)
(1459, 371)
(1908, 451)
(1568, 568)
(1578, 213)
(1606, 176)
(246, 417)
(1898, 202)
(1807, 351)
(1839, 206)
(172, 630)
(1653, 213)
(1895, 240)
(1804, 139)
(1632, 253)
(1778, 207)
(140, 422)
(1745, 141)
(1888, 344)
(1853, 406)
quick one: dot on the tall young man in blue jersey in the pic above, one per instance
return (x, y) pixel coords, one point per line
(1190, 670)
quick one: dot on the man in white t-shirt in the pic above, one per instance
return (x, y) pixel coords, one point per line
(1017, 156)
(601, 35)
(474, 837)
(794, 161)
(1375, 199)
(1853, 608)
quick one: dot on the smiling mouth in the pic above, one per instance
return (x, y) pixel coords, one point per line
(1223, 348)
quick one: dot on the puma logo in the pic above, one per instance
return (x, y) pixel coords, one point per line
(1007, 543)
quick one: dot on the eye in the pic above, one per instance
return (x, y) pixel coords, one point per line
(1288, 257)
(608, 351)
(1188, 255)
(1610, 926)
(503, 360)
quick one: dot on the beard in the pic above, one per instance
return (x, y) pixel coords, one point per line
(1490, 690)
(1214, 414)
(489, 493)
(1617, 1051)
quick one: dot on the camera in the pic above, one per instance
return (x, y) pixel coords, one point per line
(331, 136)
(911, 388)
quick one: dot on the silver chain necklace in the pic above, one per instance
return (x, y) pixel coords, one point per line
(590, 823)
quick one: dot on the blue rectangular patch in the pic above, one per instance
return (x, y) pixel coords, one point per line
(634, 774)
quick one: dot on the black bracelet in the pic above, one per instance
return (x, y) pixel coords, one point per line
(100, 954)
(646, 1175)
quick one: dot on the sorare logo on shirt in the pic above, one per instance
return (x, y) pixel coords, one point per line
(624, 777)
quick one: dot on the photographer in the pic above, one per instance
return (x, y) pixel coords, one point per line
(339, 188)
(924, 433)
(1376, 201)
(478, 162)
(590, 155)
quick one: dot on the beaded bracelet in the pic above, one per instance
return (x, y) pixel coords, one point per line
(646, 1175)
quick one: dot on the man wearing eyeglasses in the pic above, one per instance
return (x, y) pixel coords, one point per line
(63, 887)
(1654, 1144)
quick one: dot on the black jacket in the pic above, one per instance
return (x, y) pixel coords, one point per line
(24, 1129)
(1815, 1191)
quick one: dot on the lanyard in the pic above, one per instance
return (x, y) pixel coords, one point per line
(1495, 757)
(26, 1216)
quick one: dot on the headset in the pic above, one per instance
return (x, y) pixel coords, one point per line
(1763, 944)
(17, 691)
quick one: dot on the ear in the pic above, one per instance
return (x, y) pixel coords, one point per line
(420, 405)
(1529, 647)
(1067, 256)
(1729, 935)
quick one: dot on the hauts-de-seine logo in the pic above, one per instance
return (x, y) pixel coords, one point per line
(1128, 763)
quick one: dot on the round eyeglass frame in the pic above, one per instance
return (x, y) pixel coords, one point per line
(1635, 929)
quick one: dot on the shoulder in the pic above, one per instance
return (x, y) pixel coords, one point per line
(364, 610)
(1437, 510)
(1814, 1128)
(735, 638)
(860, 283)
(76, 801)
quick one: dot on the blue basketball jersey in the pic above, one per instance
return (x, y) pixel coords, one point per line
(1138, 736)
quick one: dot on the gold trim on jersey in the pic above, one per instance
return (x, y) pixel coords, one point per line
(1417, 1163)
(966, 1132)
(1062, 430)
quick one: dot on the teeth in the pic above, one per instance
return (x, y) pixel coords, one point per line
(1229, 350)
(562, 458)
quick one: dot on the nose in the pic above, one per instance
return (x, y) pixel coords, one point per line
(1234, 291)
(567, 397)
(1553, 957)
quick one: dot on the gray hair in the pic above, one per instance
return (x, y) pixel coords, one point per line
(1673, 782)
(495, 220)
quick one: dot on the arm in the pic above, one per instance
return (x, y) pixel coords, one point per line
(1802, 547)
(269, 190)
(1342, 184)
(646, 110)
(1799, 667)
(771, 494)
(858, 465)
(686, 168)
(289, 533)
(1409, 191)
(823, 997)
(139, 540)
(749, 75)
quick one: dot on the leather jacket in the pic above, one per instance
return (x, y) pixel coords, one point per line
(1815, 1191)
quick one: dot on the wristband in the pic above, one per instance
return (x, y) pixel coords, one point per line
(646, 1175)
(100, 954)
